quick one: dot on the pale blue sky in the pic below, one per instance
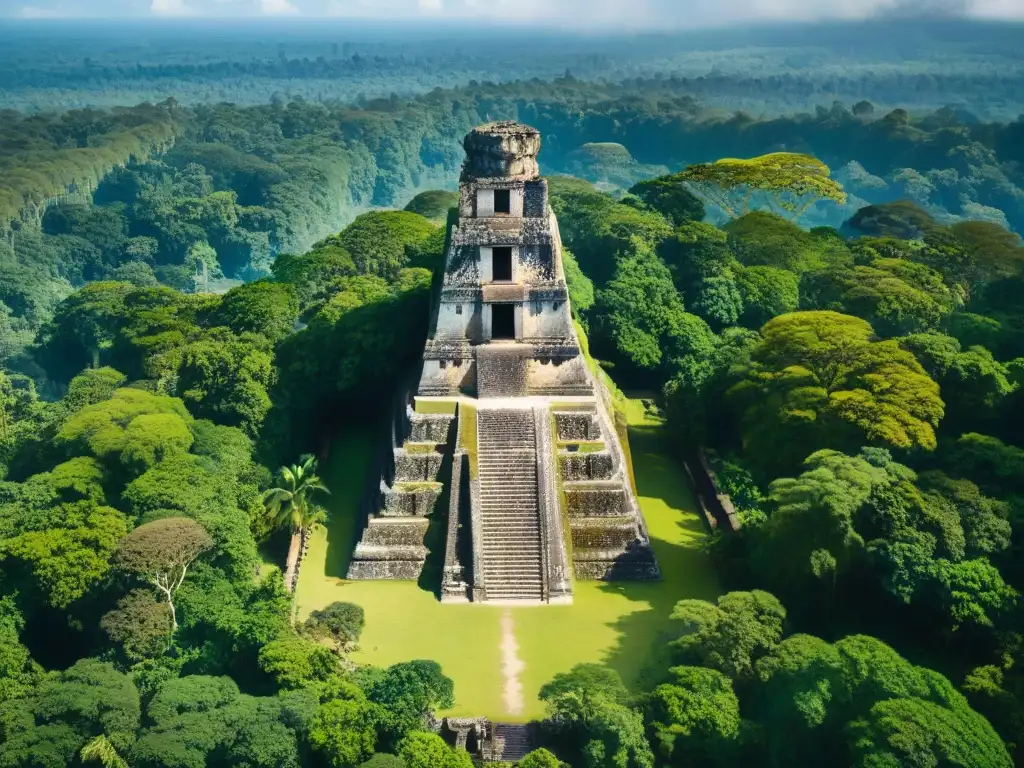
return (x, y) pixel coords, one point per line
(616, 14)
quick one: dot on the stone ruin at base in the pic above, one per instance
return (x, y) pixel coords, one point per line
(507, 417)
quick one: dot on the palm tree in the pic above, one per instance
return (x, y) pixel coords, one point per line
(292, 505)
(102, 751)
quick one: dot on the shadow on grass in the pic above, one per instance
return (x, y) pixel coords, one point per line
(677, 530)
(347, 474)
(437, 533)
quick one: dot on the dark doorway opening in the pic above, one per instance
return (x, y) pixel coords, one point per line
(502, 202)
(501, 260)
(503, 321)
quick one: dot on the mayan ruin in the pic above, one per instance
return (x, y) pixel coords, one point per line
(508, 422)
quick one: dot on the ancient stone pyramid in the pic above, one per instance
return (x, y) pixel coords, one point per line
(507, 416)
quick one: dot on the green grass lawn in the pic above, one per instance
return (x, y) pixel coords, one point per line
(624, 625)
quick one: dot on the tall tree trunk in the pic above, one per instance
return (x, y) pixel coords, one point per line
(294, 549)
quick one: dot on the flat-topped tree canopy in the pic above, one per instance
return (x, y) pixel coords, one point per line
(506, 150)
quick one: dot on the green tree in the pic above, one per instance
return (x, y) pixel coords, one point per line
(587, 710)
(382, 242)
(62, 549)
(226, 378)
(292, 504)
(295, 662)
(160, 554)
(421, 749)
(83, 328)
(408, 692)
(65, 712)
(787, 182)
(433, 204)
(695, 718)
(342, 623)
(731, 635)
(817, 379)
(670, 197)
(135, 427)
(766, 292)
(264, 307)
(140, 624)
(540, 758)
(894, 295)
(911, 732)
(343, 732)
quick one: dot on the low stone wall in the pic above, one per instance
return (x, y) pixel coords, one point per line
(717, 507)
(453, 582)
(555, 558)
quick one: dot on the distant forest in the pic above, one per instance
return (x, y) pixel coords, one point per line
(912, 63)
(166, 193)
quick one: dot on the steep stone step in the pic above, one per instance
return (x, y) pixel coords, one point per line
(510, 743)
(509, 517)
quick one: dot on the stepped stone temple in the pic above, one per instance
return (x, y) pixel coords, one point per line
(506, 458)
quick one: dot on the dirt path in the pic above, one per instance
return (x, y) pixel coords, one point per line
(511, 664)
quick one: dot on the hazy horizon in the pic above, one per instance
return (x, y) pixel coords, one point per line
(580, 15)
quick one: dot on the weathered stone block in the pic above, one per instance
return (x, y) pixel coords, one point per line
(595, 502)
(418, 502)
(596, 465)
(416, 467)
(430, 427)
(577, 426)
(385, 569)
(501, 150)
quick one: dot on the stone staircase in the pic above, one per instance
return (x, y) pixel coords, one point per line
(509, 743)
(510, 520)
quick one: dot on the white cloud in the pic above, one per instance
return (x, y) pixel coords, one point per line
(278, 7)
(36, 12)
(431, 6)
(171, 8)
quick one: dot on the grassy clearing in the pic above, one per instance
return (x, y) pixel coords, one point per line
(623, 625)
